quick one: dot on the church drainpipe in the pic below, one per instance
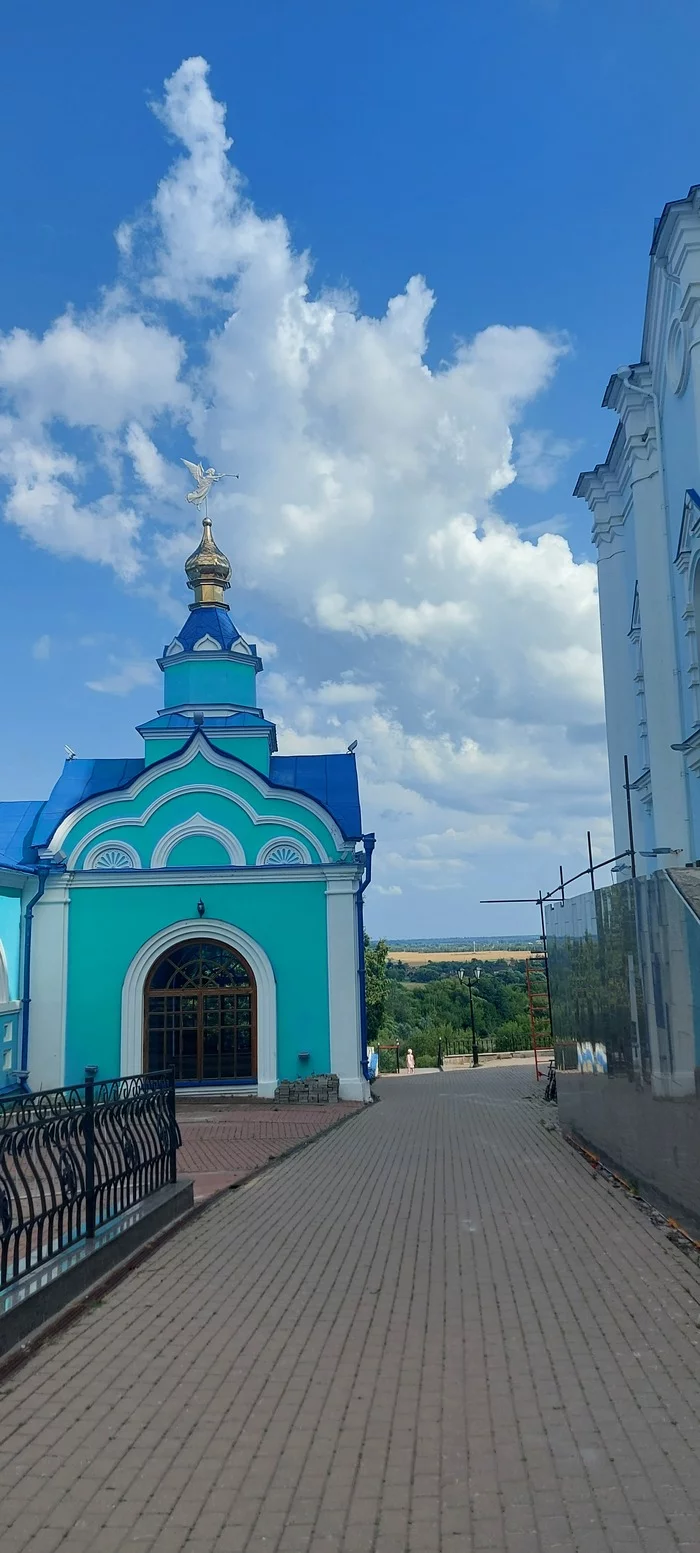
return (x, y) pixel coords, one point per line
(369, 843)
(28, 920)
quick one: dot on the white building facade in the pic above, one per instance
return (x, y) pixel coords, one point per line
(645, 501)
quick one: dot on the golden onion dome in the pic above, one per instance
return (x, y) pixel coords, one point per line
(208, 571)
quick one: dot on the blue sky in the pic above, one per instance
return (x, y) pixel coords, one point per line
(513, 155)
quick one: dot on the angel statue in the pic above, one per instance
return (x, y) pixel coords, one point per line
(204, 480)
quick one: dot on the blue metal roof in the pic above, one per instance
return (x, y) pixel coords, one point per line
(208, 620)
(330, 779)
(17, 822)
(81, 779)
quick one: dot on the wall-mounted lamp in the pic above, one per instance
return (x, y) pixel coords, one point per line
(201, 908)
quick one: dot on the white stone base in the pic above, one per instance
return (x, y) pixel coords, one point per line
(355, 1089)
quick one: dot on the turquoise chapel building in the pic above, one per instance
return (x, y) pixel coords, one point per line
(201, 905)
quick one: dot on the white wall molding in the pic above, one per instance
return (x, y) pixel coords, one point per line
(48, 987)
(200, 745)
(282, 841)
(206, 644)
(344, 989)
(193, 791)
(220, 932)
(4, 978)
(198, 825)
(131, 879)
(121, 846)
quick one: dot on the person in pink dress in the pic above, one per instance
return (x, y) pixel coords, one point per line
(410, 1061)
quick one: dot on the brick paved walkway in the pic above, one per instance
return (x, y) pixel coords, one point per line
(432, 1332)
(222, 1145)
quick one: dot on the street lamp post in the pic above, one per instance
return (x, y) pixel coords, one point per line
(470, 984)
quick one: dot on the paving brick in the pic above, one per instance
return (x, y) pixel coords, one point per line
(433, 1331)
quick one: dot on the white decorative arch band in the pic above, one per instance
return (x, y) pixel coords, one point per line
(283, 852)
(199, 744)
(198, 790)
(198, 825)
(112, 855)
(222, 933)
(4, 976)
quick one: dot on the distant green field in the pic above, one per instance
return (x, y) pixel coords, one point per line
(472, 946)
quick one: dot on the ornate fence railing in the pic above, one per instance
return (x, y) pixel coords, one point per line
(73, 1159)
(462, 1045)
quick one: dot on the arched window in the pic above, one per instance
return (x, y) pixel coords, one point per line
(200, 1014)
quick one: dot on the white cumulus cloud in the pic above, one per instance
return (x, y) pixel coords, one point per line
(461, 654)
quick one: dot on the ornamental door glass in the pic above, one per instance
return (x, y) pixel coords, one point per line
(200, 1014)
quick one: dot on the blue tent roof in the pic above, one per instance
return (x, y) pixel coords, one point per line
(208, 620)
(330, 779)
(81, 779)
(17, 822)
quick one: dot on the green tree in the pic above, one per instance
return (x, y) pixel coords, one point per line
(376, 986)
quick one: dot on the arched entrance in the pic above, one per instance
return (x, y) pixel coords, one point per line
(200, 1013)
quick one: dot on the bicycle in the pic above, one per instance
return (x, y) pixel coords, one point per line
(550, 1088)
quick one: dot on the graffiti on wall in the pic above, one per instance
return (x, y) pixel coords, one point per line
(591, 1058)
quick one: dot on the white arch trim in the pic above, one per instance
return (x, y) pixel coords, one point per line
(207, 644)
(282, 841)
(198, 826)
(195, 790)
(4, 977)
(200, 745)
(121, 846)
(222, 933)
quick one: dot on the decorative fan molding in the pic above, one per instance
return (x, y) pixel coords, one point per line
(112, 856)
(283, 852)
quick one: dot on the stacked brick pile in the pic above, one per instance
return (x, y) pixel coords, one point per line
(318, 1089)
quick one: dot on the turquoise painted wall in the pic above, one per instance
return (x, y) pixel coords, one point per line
(199, 852)
(178, 807)
(160, 749)
(253, 749)
(109, 924)
(195, 680)
(10, 929)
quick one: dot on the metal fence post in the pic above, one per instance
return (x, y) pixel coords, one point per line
(89, 1135)
(172, 1124)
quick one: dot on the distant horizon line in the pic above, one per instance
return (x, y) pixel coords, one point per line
(464, 942)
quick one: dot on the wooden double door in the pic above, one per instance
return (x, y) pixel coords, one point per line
(200, 1014)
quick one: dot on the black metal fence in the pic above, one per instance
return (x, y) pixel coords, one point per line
(73, 1159)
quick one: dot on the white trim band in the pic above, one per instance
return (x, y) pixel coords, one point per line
(198, 825)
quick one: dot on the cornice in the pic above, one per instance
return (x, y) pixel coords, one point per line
(341, 876)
